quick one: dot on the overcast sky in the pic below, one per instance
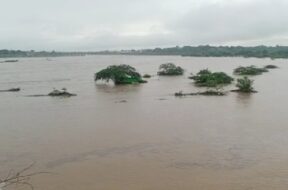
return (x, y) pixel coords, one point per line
(124, 24)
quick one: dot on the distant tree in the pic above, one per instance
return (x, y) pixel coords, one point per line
(196, 51)
(219, 51)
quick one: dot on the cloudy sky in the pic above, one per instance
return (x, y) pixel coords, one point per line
(66, 25)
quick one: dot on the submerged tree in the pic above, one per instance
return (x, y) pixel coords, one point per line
(249, 70)
(19, 178)
(244, 85)
(146, 76)
(204, 93)
(120, 74)
(170, 69)
(270, 67)
(209, 79)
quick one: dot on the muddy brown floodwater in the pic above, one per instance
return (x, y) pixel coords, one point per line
(150, 141)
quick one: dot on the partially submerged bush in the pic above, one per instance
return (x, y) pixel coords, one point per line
(146, 76)
(209, 79)
(120, 74)
(205, 93)
(270, 67)
(249, 70)
(244, 85)
(170, 69)
(61, 93)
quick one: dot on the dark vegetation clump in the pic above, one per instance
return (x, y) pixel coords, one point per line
(170, 69)
(270, 67)
(120, 74)
(244, 85)
(11, 61)
(204, 93)
(210, 79)
(146, 76)
(55, 93)
(11, 90)
(272, 52)
(62, 93)
(249, 70)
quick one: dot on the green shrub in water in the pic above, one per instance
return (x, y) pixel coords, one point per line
(120, 74)
(209, 79)
(245, 85)
(170, 69)
(249, 70)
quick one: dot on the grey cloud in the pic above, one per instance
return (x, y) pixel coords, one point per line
(235, 21)
(111, 24)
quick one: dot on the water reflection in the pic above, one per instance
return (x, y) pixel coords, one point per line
(244, 99)
(116, 89)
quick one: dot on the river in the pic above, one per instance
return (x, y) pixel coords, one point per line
(150, 141)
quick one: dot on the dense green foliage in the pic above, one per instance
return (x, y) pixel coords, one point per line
(170, 69)
(249, 70)
(212, 51)
(209, 79)
(245, 85)
(17, 53)
(120, 74)
(196, 51)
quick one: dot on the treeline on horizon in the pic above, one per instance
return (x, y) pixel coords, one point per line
(4, 53)
(195, 51)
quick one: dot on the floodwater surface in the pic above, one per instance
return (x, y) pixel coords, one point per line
(141, 137)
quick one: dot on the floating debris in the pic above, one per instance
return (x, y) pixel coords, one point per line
(55, 93)
(271, 67)
(121, 101)
(241, 91)
(63, 92)
(11, 90)
(11, 61)
(205, 93)
(161, 99)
